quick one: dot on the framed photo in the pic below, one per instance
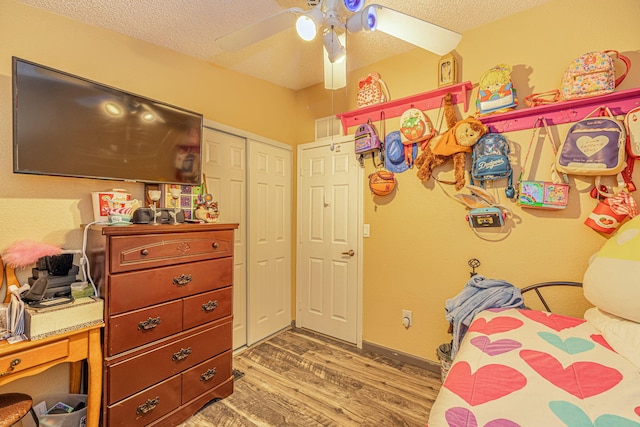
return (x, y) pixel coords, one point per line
(447, 71)
(184, 196)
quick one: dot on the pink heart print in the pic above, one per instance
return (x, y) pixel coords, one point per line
(495, 325)
(553, 321)
(600, 340)
(581, 379)
(489, 382)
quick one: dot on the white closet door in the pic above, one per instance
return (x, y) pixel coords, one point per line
(224, 165)
(270, 208)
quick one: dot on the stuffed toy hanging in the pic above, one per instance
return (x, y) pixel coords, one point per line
(454, 144)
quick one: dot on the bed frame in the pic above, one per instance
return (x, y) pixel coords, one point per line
(536, 288)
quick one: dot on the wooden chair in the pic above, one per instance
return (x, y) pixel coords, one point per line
(13, 407)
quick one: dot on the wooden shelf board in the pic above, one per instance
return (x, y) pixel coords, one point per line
(562, 112)
(390, 109)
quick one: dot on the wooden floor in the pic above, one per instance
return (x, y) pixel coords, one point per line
(301, 379)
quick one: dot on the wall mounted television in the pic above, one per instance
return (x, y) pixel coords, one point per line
(65, 125)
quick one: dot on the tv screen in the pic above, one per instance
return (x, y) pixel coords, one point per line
(66, 125)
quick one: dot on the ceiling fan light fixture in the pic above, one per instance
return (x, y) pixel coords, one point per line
(308, 24)
(335, 48)
(365, 20)
(353, 5)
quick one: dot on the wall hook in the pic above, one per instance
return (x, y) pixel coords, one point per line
(473, 263)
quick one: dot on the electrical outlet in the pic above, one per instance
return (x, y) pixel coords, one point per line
(407, 318)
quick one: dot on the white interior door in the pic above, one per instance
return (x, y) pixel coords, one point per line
(329, 212)
(224, 165)
(269, 239)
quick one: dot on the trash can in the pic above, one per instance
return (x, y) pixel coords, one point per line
(444, 355)
(77, 418)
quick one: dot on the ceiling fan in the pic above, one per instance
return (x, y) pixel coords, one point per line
(332, 20)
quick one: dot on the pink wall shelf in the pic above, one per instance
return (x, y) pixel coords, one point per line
(562, 112)
(395, 108)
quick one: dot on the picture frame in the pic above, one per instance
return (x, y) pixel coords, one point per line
(187, 199)
(447, 70)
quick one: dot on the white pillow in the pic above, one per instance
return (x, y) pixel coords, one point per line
(621, 334)
(612, 279)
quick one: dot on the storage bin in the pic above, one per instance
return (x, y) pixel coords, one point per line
(72, 419)
(444, 355)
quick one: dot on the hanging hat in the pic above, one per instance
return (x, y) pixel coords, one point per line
(394, 153)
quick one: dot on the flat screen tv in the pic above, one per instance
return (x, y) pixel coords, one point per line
(66, 125)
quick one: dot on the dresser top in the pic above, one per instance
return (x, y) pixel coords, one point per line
(108, 230)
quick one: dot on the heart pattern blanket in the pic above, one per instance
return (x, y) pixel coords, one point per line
(521, 368)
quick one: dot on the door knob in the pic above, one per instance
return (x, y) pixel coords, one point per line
(350, 252)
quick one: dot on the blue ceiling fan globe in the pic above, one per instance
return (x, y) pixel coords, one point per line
(353, 5)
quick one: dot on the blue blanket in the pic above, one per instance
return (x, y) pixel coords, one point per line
(478, 294)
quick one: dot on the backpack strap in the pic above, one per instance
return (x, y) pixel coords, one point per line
(627, 63)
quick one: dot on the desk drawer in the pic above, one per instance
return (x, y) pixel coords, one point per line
(139, 327)
(130, 291)
(139, 372)
(153, 250)
(207, 307)
(206, 376)
(146, 406)
(23, 360)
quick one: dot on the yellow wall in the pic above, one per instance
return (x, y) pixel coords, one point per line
(52, 209)
(417, 254)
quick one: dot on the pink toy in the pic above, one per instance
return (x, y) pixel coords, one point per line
(26, 252)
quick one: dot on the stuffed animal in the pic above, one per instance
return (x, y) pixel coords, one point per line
(454, 144)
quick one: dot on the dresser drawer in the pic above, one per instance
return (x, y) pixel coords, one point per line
(139, 372)
(22, 360)
(153, 250)
(147, 406)
(138, 289)
(135, 328)
(207, 307)
(206, 376)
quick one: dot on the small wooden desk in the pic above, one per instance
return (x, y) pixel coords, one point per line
(28, 358)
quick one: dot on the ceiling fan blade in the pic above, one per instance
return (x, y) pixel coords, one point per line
(335, 74)
(421, 33)
(260, 30)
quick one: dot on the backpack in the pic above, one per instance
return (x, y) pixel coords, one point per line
(371, 90)
(594, 146)
(496, 93)
(367, 141)
(632, 127)
(490, 161)
(592, 74)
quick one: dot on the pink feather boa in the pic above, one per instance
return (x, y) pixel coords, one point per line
(26, 252)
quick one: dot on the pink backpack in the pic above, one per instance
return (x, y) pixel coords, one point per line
(592, 74)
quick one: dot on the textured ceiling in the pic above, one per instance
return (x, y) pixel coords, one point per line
(192, 26)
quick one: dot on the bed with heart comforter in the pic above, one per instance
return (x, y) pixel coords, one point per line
(520, 368)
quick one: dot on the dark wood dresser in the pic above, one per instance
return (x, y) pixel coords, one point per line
(167, 339)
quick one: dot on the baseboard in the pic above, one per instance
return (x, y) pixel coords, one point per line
(402, 357)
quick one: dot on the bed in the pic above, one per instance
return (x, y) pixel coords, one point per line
(519, 367)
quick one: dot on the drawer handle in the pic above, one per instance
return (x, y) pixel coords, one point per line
(15, 362)
(214, 245)
(209, 306)
(206, 376)
(148, 406)
(148, 324)
(144, 252)
(182, 354)
(182, 280)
